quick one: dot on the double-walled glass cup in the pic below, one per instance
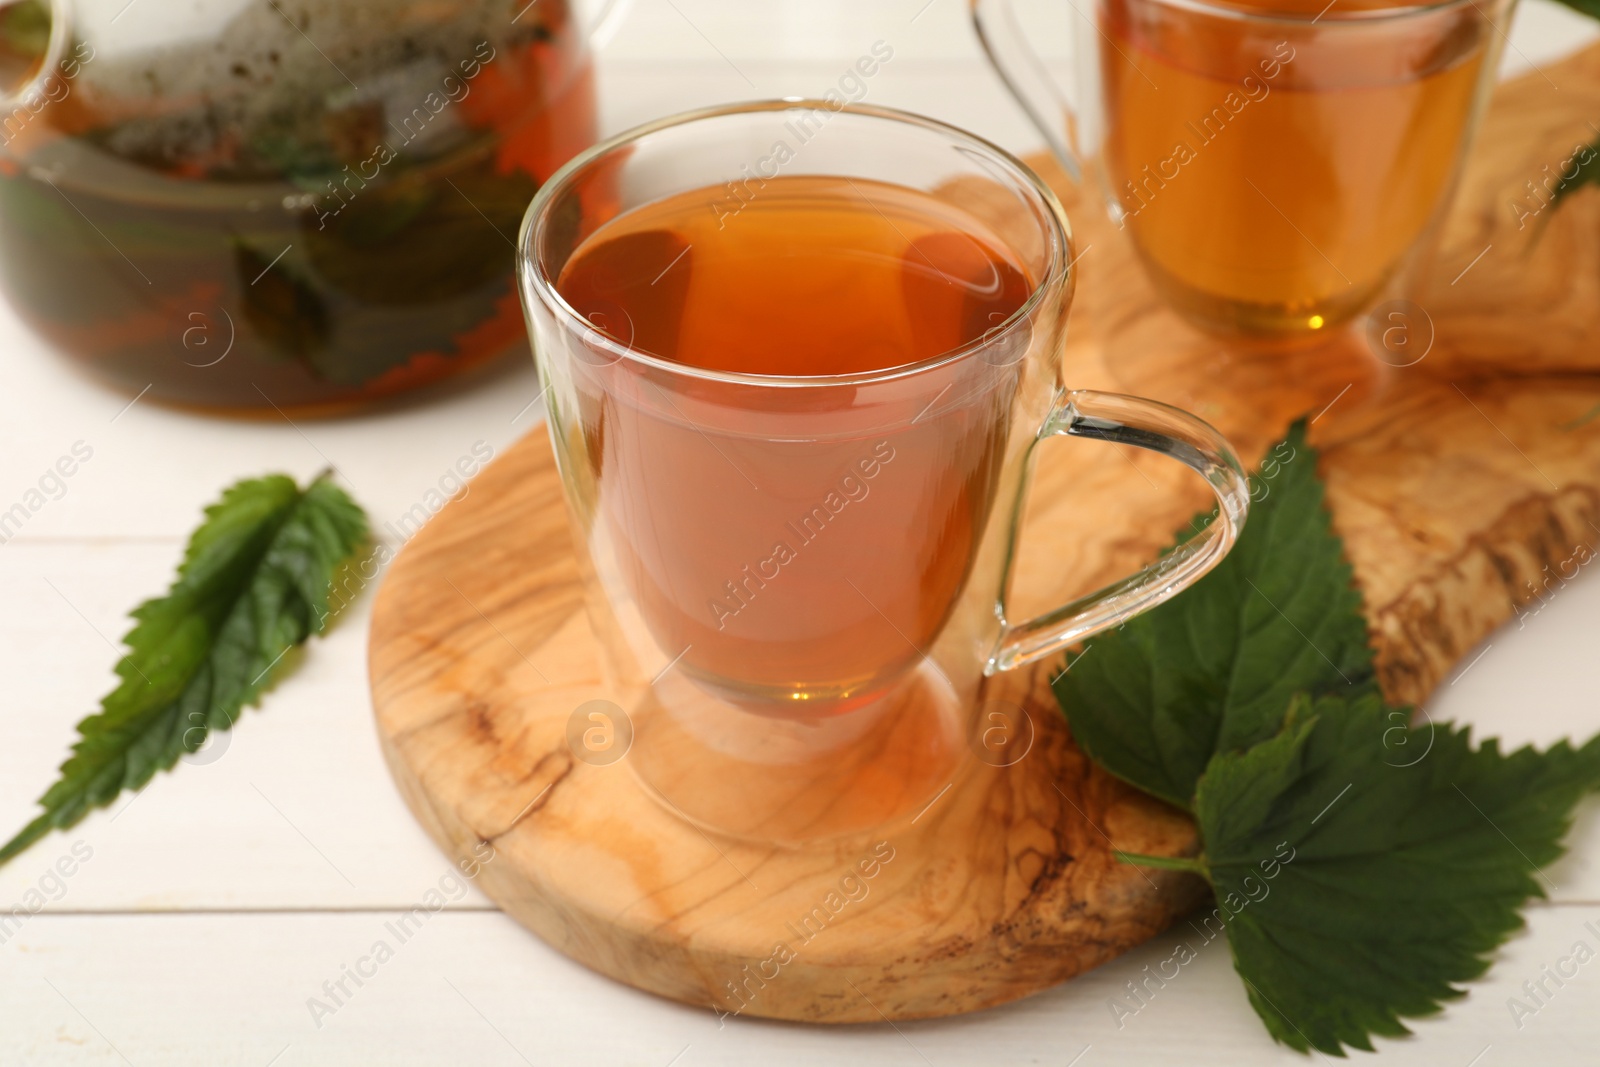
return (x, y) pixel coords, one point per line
(799, 583)
(1279, 165)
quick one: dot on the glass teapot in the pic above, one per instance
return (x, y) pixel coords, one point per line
(302, 205)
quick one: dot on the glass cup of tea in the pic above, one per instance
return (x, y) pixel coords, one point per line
(1277, 164)
(797, 357)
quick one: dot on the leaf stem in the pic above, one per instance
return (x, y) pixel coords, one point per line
(29, 834)
(1193, 865)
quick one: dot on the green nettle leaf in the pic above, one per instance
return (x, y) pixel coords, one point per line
(283, 308)
(1357, 882)
(1585, 7)
(1214, 669)
(254, 583)
(1585, 166)
(1356, 891)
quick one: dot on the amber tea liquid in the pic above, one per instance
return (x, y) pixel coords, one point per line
(808, 568)
(1273, 185)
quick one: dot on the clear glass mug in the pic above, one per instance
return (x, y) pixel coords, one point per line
(1277, 171)
(857, 529)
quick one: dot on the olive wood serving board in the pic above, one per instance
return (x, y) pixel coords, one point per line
(1454, 481)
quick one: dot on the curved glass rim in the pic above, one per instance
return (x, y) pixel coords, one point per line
(531, 272)
(62, 19)
(1330, 14)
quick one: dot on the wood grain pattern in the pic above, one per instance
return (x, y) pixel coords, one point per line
(1459, 484)
(1545, 262)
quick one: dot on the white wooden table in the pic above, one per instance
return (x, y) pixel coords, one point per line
(216, 902)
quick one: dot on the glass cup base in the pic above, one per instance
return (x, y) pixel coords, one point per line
(793, 782)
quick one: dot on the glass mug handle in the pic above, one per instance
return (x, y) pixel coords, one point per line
(1023, 72)
(1131, 420)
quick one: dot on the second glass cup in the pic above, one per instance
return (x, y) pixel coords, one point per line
(1279, 165)
(797, 359)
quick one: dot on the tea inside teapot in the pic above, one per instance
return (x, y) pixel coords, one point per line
(300, 204)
